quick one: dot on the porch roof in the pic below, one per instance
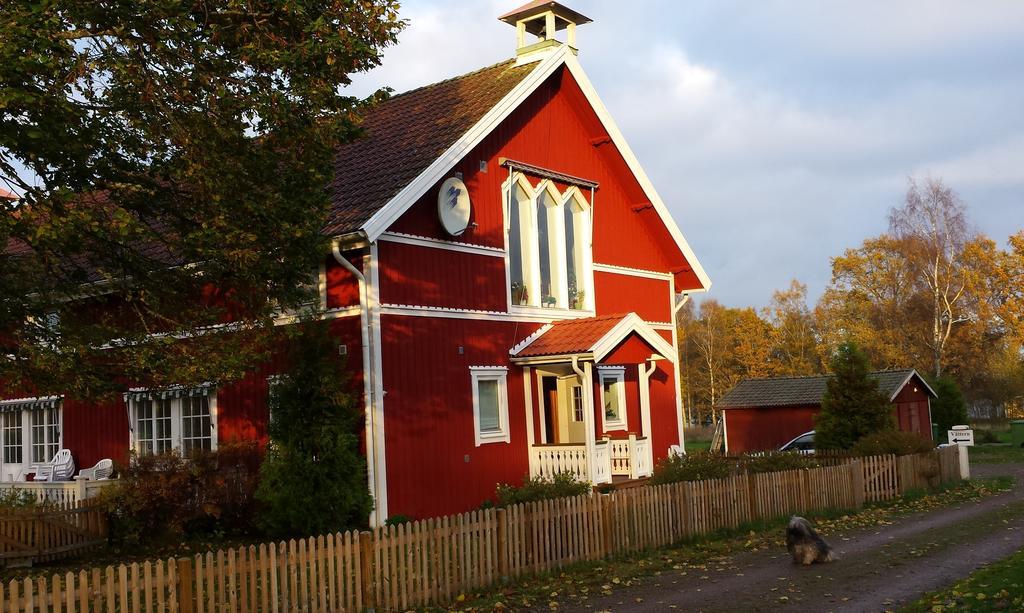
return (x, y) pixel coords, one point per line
(589, 338)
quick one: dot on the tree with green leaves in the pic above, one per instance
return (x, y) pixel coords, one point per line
(313, 479)
(853, 406)
(949, 408)
(171, 161)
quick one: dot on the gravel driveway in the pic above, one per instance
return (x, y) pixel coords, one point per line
(878, 569)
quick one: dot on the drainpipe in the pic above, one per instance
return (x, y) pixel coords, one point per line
(588, 415)
(364, 331)
(645, 405)
(680, 302)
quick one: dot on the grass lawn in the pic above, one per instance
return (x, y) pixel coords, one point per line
(577, 583)
(997, 587)
(698, 445)
(995, 454)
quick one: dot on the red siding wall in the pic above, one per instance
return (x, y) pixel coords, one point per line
(95, 431)
(757, 429)
(651, 299)
(424, 276)
(911, 404)
(433, 464)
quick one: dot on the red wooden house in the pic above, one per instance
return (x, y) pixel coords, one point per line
(503, 279)
(766, 413)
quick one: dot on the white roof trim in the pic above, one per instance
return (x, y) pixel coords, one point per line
(389, 213)
(529, 339)
(633, 163)
(912, 373)
(629, 324)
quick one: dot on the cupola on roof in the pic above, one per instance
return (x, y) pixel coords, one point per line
(543, 19)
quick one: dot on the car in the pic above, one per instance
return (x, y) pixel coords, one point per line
(802, 444)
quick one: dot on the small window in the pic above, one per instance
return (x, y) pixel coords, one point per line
(45, 434)
(613, 397)
(577, 404)
(490, 404)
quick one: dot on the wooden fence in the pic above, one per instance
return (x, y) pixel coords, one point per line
(433, 561)
(52, 532)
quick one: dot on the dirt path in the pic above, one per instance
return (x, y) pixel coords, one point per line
(878, 569)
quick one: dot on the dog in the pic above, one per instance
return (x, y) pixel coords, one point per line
(804, 544)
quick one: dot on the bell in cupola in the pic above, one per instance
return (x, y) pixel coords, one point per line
(538, 26)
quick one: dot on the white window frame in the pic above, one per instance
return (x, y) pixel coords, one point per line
(498, 374)
(615, 374)
(46, 428)
(14, 471)
(177, 430)
(530, 248)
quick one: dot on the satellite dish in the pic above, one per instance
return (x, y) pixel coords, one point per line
(453, 206)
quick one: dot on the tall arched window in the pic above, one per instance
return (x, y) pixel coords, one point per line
(520, 241)
(575, 212)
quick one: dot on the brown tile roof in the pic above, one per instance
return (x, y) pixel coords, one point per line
(6, 195)
(794, 391)
(571, 336)
(405, 134)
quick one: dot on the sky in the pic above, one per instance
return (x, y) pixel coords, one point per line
(778, 133)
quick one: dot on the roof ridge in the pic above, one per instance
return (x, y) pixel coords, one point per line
(787, 377)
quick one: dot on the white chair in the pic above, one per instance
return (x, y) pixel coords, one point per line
(61, 468)
(101, 472)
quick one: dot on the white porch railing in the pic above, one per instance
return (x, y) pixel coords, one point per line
(620, 457)
(631, 457)
(550, 460)
(58, 492)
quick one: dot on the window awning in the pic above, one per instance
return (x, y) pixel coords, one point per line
(588, 338)
(26, 404)
(163, 393)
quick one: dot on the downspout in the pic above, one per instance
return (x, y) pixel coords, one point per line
(645, 405)
(680, 302)
(364, 331)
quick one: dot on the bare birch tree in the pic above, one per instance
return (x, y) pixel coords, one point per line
(932, 225)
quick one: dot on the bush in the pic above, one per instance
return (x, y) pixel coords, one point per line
(314, 478)
(774, 462)
(985, 437)
(19, 499)
(694, 466)
(165, 498)
(562, 485)
(892, 441)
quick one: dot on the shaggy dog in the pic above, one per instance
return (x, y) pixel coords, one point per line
(804, 544)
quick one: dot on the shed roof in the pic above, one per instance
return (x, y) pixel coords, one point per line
(795, 391)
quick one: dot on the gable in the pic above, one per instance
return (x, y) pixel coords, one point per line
(640, 195)
(556, 128)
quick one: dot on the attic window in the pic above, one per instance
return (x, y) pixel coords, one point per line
(548, 239)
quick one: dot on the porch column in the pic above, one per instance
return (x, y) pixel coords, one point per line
(645, 405)
(528, 402)
(588, 414)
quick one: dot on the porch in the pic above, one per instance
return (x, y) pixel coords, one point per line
(626, 459)
(588, 402)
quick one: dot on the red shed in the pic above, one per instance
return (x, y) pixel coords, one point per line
(766, 413)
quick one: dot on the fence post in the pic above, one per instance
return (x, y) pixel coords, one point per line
(503, 553)
(857, 476)
(366, 582)
(606, 522)
(752, 495)
(185, 604)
